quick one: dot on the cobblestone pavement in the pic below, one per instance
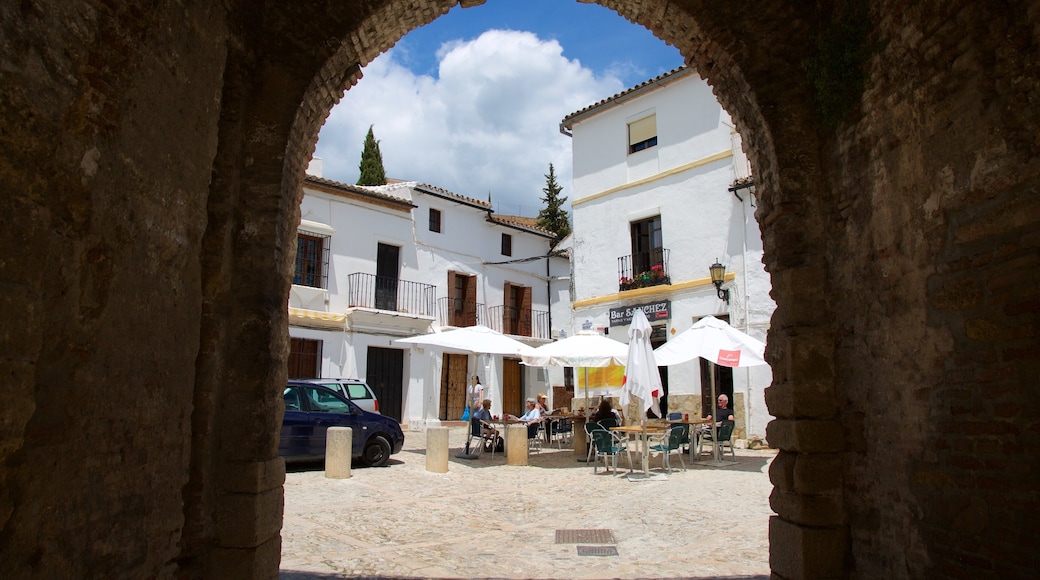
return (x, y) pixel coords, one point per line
(486, 519)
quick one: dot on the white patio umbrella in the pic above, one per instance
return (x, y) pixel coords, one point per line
(479, 340)
(642, 378)
(472, 339)
(717, 342)
(584, 349)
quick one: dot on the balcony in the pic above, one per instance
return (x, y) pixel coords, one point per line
(461, 313)
(643, 270)
(390, 294)
(532, 323)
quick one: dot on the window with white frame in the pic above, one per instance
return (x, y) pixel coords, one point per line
(312, 259)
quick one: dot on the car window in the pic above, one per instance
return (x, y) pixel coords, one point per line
(324, 401)
(334, 386)
(358, 391)
(292, 399)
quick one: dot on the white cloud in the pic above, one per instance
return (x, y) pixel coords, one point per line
(488, 123)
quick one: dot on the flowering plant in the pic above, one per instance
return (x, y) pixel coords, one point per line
(653, 277)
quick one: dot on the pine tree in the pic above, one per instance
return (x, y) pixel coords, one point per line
(553, 217)
(372, 172)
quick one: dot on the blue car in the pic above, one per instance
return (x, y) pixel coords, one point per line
(311, 409)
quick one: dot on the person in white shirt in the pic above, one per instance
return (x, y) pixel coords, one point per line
(475, 393)
(532, 417)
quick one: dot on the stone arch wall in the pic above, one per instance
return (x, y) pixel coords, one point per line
(153, 163)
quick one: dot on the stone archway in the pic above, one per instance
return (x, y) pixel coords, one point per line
(151, 163)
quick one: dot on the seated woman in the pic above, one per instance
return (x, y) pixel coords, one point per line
(532, 417)
(604, 411)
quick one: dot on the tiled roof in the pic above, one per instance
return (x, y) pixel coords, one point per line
(357, 190)
(444, 193)
(626, 94)
(520, 222)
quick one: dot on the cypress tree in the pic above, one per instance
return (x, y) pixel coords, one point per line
(553, 217)
(372, 172)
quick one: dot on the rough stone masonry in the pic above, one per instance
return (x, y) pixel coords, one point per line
(151, 156)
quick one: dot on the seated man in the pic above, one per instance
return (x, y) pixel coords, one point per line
(722, 411)
(483, 414)
(532, 417)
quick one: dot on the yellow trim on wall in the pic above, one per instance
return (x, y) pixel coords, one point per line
(669, 173)
(650, 291)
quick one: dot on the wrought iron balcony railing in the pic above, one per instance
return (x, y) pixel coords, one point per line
(643, 269)
(391, 294)
(533, 323)
(461, 313)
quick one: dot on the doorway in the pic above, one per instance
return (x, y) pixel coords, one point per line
(387, 265)
(512, 387)
(453, 386)
(386, 377)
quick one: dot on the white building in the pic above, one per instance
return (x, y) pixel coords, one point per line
(662, 190)
(375, 264)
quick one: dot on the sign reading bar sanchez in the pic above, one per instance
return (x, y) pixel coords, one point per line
(654, 311)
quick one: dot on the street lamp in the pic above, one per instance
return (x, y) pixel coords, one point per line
(718, 276)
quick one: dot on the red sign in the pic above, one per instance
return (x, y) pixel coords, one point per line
(729, 358)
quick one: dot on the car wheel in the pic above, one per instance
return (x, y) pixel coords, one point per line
(377, 452)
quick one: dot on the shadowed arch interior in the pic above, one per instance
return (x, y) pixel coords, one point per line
(152, 162)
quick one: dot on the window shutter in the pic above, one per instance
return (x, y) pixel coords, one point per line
(507, 311)
(525, 312)
(471, 300)
(641, 130)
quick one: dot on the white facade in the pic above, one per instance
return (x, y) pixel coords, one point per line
(347, 318)
(692, 174)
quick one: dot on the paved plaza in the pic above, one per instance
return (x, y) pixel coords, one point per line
(551, 519)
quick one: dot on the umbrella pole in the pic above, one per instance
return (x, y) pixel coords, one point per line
(587, 414)
(646, 448)
(714, 419)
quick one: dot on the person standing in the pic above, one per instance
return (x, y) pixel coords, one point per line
(475, 393)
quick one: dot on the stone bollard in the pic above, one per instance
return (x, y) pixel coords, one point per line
(581, 439)
(437, 449)
(338, 452)
(516, 444)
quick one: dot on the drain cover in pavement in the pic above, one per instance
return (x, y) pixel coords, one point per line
(584, 537)
(597, 551)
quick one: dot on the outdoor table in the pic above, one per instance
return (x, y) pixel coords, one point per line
(650, 430)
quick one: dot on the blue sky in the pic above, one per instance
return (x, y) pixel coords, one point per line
(472, 101)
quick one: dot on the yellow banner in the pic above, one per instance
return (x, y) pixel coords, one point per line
(601, 377)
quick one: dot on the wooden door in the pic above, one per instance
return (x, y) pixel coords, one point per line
(387, 269)
(385, 375)
(512, 387)
(453, 386)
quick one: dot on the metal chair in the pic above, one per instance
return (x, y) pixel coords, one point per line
(591, 426)
(686, 439)
(725, 433)
(608, 445)
(534, 437)
(561, 431)
(481, 432)
(673, 442)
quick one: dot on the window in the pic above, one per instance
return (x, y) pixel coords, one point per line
(647, 246)
(323, 401)
(304, 358)
(435, 220)
(507, 245)
(312, 260)
(642, 134)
